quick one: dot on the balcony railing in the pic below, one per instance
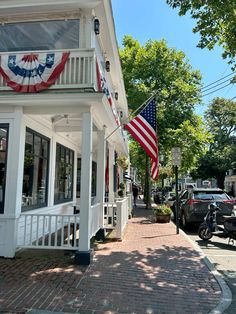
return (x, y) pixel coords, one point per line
(79, 71)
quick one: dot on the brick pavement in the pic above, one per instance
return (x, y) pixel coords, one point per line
(152, 270)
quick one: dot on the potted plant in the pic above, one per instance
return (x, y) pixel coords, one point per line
(122, 162)
(162, 213)
(121, 191)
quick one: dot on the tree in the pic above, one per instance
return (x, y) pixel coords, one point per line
(215, 23)
(156, 69)
(221, 120)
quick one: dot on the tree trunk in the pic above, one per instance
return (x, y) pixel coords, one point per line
(220, 180)
(147, 184)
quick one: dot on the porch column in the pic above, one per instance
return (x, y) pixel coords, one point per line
(111, 173)
(101, 162)
(14, 178)
(83, 256)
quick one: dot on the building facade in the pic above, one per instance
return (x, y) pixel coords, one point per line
(61, 98)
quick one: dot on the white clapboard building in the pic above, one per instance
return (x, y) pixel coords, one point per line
(61, 98)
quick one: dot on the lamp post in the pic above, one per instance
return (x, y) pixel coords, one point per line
(161, 160)
(176, 161)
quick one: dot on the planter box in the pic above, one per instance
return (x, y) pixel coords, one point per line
(162, 218)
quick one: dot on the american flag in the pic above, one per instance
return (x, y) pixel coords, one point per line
(143, 129)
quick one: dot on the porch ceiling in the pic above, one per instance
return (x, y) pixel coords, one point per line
(65, 112)
(16, 7)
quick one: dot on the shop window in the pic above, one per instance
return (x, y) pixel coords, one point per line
(36, 166)
(3, 163)
(63, 191)
(94, 178)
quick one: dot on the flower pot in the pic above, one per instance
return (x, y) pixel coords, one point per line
(162, 218)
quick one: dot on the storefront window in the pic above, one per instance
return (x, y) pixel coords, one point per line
(36, 164)
(63, 174)
(94, 178)
(3, 163)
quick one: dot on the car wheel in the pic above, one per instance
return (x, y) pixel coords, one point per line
(204, 233)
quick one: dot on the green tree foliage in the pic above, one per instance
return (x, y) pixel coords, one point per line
(216, 23)
(192, 138)
(221, 120)
(153, 68)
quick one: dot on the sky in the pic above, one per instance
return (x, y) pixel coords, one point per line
(154, 19)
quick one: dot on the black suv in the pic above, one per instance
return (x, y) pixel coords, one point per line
(193, 205)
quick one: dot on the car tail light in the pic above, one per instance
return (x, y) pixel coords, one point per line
(228, 201)
(190, 202)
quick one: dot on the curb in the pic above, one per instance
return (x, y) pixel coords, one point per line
(226, 298)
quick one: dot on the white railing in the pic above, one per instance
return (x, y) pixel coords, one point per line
(45, 231)
(122, 217)
(110, 210)
(96, 212)
(79, 71)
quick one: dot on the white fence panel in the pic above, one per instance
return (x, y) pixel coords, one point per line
(95, 218)
(122, 217)
(110, 212)
(45, 231)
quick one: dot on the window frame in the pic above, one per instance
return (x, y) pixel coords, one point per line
(35, 133)
(7, 127)
(41, 21)
(64, 200)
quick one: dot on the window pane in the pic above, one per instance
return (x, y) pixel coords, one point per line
(63, 175)
(37, 145)
(44, 152)
(46, 35)
(29, 143)
(35, 179)
(3, 163)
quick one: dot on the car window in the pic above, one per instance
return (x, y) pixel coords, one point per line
(210, 195)
(184, 196)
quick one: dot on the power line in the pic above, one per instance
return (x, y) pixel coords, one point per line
(215, 90)
(218, 80)
(205, 90)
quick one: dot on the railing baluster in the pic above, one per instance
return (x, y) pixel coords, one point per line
(31, 225)
(62, 231)
(43, 240)
(50, 230)
(55, 241)
(25, 228)
(84, 69)
(68, 241)
(37, 230)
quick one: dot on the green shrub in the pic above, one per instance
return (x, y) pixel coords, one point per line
(162, 210)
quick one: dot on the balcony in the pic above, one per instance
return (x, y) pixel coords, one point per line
(79, 71)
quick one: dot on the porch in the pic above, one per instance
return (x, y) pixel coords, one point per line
(61, 231)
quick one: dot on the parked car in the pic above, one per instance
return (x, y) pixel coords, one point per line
(193, 205)
(170, 199)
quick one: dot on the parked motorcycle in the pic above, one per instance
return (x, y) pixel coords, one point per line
(210, 228)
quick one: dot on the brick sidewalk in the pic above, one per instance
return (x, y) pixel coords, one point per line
(152, 270)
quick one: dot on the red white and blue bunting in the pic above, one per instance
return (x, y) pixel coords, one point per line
(103, 87)
(34, 72)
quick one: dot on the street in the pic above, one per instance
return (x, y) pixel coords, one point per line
(223, 256)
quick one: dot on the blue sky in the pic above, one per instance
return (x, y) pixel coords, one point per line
(154, 19)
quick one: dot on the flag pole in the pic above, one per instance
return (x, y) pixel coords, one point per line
(144, 103)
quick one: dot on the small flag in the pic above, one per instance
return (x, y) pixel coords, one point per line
(143, 129)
